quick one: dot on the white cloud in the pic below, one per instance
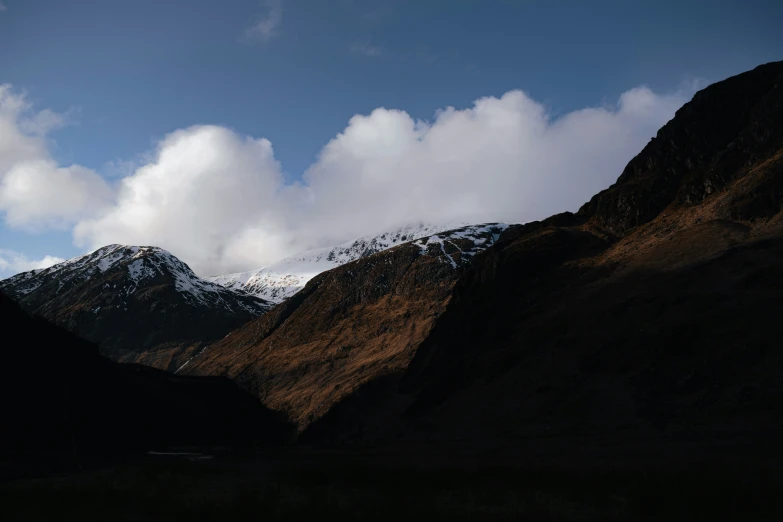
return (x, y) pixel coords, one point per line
(35, 192)
(365, 49)
(266, 27)
(12, 262)
(217, 199)
(119, 168)
(43, 122)
(205, 185)
(502, 159)
(15, 145)
(3, 7)
(38, 194)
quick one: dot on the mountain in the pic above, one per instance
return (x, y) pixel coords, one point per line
(140, 304)
(66, 407)
(348, 326)
(645, 324)
(279, 281)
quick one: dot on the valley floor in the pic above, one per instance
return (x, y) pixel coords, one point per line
(397, 486)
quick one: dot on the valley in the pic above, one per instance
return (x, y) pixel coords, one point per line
(568, 368)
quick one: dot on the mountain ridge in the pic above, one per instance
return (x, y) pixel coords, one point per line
(623, 330)
(108, 294)
(348, 325)
(563, 329)
(282, 279)
(698, 153)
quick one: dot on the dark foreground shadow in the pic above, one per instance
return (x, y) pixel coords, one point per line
(336, 489)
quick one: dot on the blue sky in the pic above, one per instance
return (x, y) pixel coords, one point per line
(126, 74)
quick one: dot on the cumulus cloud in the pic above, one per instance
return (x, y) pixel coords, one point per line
(217, 199)
(38, 194)
(205, 185)
(35, 192)
(266, 27)
(15, 144)
(502, 159)
(12, 262)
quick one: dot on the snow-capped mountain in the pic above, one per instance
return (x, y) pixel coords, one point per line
(279, 281)
(351, 324)
(139, 303)
(473, 238)
(142, 263)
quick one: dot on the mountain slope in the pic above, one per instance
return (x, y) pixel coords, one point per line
(66, 407)
(279, 281)
(140, 304)
(647, 325)
(349, 325)
(715, 139)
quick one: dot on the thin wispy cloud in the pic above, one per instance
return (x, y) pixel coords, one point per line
(3, 7)
(43, 122)
(365, 49)
(12, 262)
(119, 168)
(267, 25)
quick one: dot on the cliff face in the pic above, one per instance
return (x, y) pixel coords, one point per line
(720, 136)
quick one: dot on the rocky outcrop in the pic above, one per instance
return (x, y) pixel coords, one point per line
(727, 129)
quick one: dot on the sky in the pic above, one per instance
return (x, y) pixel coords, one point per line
(237, 133)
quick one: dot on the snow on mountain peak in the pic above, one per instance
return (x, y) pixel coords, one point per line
(141, 264)
(273, 283)
(279, 281)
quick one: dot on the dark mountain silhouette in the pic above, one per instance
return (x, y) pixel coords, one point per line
(66, 407)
